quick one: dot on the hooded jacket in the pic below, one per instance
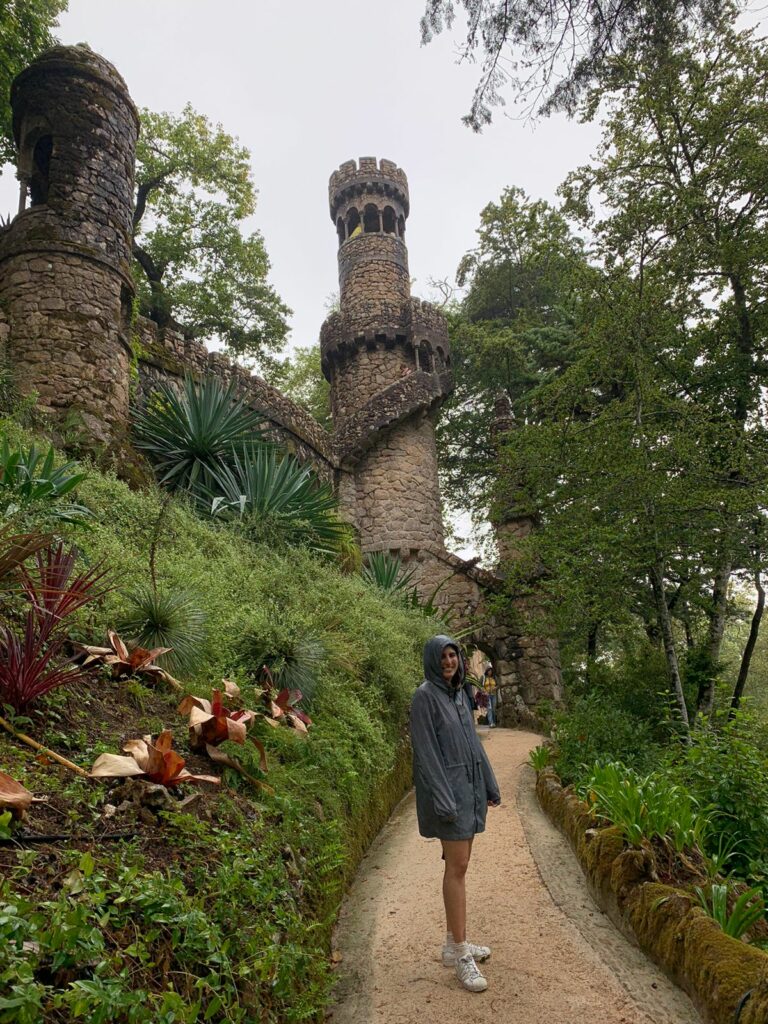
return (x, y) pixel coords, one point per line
(453, 777)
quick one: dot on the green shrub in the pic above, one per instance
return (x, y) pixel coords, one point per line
(165, 618)
(725, 768)
(593, 729)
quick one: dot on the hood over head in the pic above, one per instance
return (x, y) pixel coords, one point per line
(433, 650)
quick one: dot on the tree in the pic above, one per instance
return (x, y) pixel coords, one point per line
(683, 174)
(512, 331)
(195, 266)
(301, 378)
(548, 52)
(25, 31)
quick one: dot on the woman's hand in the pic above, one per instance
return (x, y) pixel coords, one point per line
(494, 803)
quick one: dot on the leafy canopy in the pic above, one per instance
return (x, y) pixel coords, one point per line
(196, 264)
(25, 32)
(548, 52)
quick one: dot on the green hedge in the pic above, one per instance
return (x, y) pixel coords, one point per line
(228, 917)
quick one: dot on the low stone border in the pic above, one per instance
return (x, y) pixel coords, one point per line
(726, 979)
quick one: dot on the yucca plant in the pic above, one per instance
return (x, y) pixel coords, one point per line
(386, 571)
(166, 618)
(748, 909)
(275, 498)
(187, 435)
(30, 477)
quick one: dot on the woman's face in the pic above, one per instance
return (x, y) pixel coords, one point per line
(449, 662)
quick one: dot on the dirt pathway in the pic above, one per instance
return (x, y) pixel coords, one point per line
(556, 958)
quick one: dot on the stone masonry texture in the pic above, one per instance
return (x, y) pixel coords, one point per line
(66, 330)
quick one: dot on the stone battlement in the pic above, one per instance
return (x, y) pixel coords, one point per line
(367, 175)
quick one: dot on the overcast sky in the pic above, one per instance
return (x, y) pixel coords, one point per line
(307, 85)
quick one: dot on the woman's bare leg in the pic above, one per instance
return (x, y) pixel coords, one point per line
(457, 854)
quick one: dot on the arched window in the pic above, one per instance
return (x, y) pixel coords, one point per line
(340, 229)
(401, 226)
(354, 227)
(439, 358)
(425, 357)
(371, 219)
(389, 221)
(39, 180)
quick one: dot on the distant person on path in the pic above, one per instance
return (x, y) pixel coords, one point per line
(455, 785)
(489, 687)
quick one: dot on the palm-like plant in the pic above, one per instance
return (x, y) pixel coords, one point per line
(275, 498)
(385, 571)
(166, 618)
(189, 435)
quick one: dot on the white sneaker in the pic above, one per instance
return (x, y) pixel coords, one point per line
(469, 975)
(479, 953)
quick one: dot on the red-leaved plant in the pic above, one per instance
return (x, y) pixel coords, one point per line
(32, 659)
(282, 705)
(158, 762)
(125, 661)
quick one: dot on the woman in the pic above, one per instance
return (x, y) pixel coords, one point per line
(489, 686)
(455, 785)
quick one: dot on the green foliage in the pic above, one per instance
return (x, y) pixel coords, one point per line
(384, 570)
(275, 499)
(540, 758)
(301, 378)
(726, 768)
(595, 729)
(31, 482)
(748, 909)
(243, 932)
(165, 618)
(25, 30)
(547, 55)
(188, 435)
(646, 807)
(294, 662)
(194, 262)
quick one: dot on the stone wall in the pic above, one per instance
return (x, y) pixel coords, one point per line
(64, 338)
(165, 355)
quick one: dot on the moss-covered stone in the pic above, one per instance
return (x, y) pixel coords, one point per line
(715, 970)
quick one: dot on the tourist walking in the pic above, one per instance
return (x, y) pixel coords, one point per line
(489, 688)
(455, 785)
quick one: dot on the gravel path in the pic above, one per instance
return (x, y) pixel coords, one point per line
(556, 958)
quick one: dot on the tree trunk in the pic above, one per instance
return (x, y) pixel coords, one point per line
(665, 624)
(746, 657)
(705, 698)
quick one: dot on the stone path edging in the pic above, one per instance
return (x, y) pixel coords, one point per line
(726, 979)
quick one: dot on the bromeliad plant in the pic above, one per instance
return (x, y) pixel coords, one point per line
(158, 762)
(282, 705)
(126, 662)
(212, 723)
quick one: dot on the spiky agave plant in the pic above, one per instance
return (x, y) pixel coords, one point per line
(386, 571)
(166, 618)
(276, 498)
(187, 435)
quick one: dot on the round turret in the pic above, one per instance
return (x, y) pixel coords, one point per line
(65, 260)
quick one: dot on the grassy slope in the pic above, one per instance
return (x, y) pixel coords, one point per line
(224, 914)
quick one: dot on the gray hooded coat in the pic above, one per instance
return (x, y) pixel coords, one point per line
(453, 777)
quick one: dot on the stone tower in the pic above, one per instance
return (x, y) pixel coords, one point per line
(65, 277)
(387, 358)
